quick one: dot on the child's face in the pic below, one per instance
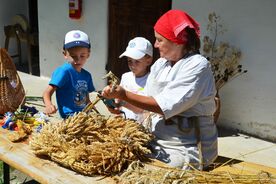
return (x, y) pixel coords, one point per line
(77, 56)
(139, 67)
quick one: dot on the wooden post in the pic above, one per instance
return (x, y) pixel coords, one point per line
(6, 171)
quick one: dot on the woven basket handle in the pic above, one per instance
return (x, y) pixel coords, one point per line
(3, 78)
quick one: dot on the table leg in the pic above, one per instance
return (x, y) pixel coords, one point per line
(6, 170)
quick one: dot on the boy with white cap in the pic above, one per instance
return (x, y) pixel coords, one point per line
(70, 81)
(139, 58)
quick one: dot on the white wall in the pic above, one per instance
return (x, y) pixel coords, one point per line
(8, 9)
(248, 102)
(54, 23)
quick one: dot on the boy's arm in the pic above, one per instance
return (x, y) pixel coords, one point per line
(50, 108)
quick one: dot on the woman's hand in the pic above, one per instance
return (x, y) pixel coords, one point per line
(114, 92)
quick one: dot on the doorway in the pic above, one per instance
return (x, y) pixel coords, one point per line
(33, 22)
(129, 19)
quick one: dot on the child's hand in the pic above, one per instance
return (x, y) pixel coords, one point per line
(119, 102)
(50, 109)
(114, 110)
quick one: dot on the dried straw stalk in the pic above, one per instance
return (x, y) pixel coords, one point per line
(224, 58)
(139, 173)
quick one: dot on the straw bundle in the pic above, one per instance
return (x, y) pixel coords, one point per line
(138, 172)
(91, 144)
(11, 89)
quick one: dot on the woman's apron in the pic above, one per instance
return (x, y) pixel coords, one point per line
(183, 142)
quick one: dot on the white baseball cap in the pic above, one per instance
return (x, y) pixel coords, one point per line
(137, 48)
(76, 38)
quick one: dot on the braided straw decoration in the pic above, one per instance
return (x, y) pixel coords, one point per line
(91, 144)
(12, 92)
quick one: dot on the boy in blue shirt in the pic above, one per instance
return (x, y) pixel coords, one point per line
(70, 81)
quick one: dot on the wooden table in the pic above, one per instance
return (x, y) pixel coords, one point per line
(20, 157)
(235, 166)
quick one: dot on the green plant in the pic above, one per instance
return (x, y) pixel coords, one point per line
(1, 173)
(224, 58)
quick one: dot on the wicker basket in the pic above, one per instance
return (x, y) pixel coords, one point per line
(12, 93)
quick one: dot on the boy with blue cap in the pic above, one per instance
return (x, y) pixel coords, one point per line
(71, 82)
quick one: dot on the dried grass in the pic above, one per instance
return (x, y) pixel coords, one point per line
(224, 58)
(139, 173)
(91, 144)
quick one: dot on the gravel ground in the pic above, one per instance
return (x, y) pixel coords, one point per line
(17, 177)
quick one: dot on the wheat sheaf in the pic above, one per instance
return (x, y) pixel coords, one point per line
(91, 144)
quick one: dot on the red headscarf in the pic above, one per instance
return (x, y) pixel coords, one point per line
(172, 26)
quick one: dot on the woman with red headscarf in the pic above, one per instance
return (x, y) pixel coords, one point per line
(181, 91)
